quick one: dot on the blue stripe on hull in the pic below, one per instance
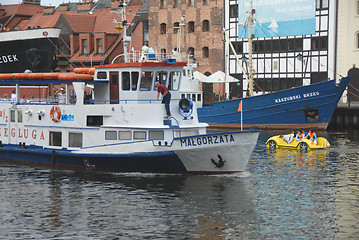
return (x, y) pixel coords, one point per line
(276, 108)
(156, 162)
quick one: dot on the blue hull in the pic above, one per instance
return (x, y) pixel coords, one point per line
(309, 106)
(143, 162)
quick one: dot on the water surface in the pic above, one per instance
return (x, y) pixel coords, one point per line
(282, 195)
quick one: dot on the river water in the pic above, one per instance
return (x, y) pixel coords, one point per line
(282, 195)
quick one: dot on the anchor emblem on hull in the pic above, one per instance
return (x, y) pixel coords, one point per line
(220, 162)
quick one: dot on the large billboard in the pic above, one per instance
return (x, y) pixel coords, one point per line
(278, 18)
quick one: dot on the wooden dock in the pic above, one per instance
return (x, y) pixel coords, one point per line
(346, 116)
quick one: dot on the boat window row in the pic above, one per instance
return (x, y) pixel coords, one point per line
(75, 139)
(132, 80)
(134, 135)
(194, 97)
(283, 45)
(276, 84)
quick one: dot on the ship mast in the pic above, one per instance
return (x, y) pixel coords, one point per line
(126, 39)
(250, 48)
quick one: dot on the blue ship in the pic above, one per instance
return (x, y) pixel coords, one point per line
(303, 107)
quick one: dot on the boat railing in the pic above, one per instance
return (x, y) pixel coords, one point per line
(153, 56)
(52, 101)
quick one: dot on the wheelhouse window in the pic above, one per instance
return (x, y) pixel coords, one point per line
(161, 77)
(75, 140)
(55, 139)
(163, 28)
(111, 135)
(134, 79)
(125, 81)
(146, 81)
(174, 80)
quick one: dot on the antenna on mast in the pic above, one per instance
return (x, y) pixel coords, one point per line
(122, 27)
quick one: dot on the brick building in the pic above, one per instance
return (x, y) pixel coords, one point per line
(88, 33)
(201, 35)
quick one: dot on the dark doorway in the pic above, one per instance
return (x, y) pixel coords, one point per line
(114, 89)
(353, 87)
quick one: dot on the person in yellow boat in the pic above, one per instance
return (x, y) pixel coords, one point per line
(289, 138)
(312, 136)
(300, 135)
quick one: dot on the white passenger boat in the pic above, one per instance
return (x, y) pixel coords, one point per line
(123, 127)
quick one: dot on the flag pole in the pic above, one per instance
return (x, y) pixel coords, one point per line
(241, 116)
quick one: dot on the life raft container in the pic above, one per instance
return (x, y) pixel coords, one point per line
(55, 113)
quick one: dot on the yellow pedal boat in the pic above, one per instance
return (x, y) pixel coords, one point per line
(303, 145)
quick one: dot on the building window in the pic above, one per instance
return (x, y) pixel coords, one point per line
(322, 4)
(99, 45)
(191, 52)
(191, 27)
(238, 47)
(162, 4)
(75, 140)
(163, 28)
(145, 33)
(319, 43)
(357, 40)
(84, 46)
(205, 52)
(233, 11)
(176, 27)
(205, 2)
(175, 3)
(357, 7)
(190, 2)
(205, 26)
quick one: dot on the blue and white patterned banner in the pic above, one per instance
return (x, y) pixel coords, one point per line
(278, 18)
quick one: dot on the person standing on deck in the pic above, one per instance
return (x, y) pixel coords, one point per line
(166, 97)
(61, 96)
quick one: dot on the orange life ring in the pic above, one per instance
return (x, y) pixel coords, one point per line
(55, 113)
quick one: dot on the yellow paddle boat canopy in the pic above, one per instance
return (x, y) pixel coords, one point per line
(302, 145)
